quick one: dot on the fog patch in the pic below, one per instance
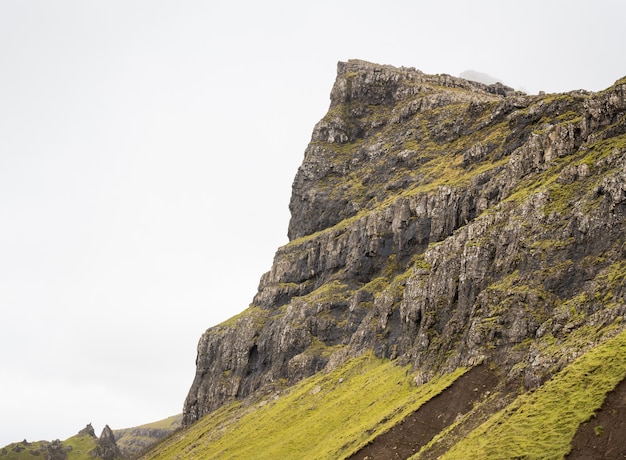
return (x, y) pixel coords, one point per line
(480, 77)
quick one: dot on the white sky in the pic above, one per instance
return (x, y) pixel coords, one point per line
(147, 151)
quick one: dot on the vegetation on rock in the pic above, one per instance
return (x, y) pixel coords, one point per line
(438, 223)
(443, 232)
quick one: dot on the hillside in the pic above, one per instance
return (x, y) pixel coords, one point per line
(85, 445)
(371, 409)
(453, 285)
(133, 441)
(437, 224)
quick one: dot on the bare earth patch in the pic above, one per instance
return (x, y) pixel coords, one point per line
(415, 431)
(603, 437)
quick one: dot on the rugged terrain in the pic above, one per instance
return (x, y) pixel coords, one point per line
(442, 223)
(453, 287)
(85, 445)
(439, 223)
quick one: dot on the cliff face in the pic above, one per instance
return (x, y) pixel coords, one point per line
(441, 222)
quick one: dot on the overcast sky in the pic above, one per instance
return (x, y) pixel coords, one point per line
(147, 151)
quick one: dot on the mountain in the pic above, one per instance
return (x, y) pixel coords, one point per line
(444, 225)
(85, 445)
(448, 227)
(453, 286)
(440, 222)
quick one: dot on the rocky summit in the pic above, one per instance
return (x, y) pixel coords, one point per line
(440, 223)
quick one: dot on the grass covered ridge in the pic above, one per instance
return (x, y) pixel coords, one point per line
(327, 416)
(77, 447)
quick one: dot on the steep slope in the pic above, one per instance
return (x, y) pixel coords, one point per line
(371, 409)
(329, 415)
(440, 223)
(112, 444)
(541, 424)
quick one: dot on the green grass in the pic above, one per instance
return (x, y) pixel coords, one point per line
(80, 446)
(258, 314)
(327, 416)
(542, 424)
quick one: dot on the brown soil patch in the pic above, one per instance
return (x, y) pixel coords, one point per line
(416, 430)
(603, 437)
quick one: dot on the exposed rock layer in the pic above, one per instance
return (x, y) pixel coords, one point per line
(441, 222)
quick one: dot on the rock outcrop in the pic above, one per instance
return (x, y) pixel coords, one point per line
(440, 222)
(106, 448)
(88, 431)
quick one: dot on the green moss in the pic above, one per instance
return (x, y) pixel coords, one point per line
(258, 314)
(610, 283)
(377, 285)
(329, 293)
(319, 348)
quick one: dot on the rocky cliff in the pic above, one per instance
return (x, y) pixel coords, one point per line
(442, 223)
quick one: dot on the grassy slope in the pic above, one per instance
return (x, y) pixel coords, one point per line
(81, 445)
(542, 424)
(80, 448)
(321, 417)
(333, 415)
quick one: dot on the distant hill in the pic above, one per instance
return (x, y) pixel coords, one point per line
(83, 446)
(133, 441)
(111, 445)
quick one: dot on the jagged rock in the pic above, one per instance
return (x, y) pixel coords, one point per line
(441, 222)
(87, 431)
(107, 448)
(55, 450)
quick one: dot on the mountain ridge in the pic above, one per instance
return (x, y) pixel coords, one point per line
(392, 242)
(112, 444)
(447, 238)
